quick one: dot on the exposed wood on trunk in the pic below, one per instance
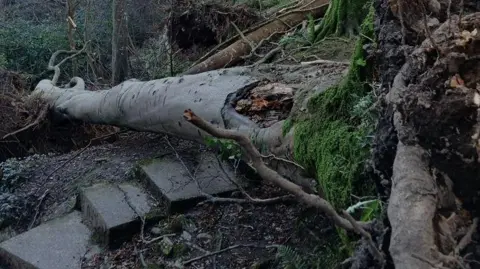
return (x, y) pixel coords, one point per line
(233, 53)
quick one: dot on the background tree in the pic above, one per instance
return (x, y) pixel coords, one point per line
(119, 42)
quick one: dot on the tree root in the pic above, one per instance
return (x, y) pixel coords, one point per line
(421, 195)
(41, 116)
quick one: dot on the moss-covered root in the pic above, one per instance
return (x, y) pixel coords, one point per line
(343, 18)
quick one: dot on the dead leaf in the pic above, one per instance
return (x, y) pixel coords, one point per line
(457, 82)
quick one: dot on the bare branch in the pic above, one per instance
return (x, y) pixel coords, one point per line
(213, 199)
(468, 237)
(373, 249)
(56, 68)
(146, 242)
(223, 250)
(267, 173)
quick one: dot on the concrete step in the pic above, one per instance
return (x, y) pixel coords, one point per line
(113, 211)
(167, 178)
(57, 244)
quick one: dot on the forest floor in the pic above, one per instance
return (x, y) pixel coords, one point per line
(209, 226)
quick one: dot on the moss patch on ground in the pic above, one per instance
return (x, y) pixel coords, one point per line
(330, 142)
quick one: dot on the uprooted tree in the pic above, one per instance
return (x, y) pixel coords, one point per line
(429, 121)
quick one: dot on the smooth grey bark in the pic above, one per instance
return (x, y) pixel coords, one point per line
(158, 105)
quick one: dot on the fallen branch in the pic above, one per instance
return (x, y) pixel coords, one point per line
(467, 238)
(140, 256)
(223, 250)
(269, 55)
(234, 52)
(153, 240)
(267, 173)
(373, 249)
(212, 199)
(37, 209)
(250, 198)
(324, 62)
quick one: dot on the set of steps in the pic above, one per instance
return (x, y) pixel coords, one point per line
(109, 214)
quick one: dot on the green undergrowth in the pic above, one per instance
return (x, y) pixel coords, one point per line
(332, 141)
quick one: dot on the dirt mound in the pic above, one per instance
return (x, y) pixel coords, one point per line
(46, 136)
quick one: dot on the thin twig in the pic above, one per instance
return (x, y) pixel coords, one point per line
(37, 209)
(268, 55)
(467, 238)
(250, 198)
(221, 251)
(252, 46)
(146, 242)
(283, 160)
(140, 256)
(320, 61)
(375, 252)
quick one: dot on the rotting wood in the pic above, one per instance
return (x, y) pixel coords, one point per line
(233, 53)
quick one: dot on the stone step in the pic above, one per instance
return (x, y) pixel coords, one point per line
(113, 211)
(57, 244)
(167, 178)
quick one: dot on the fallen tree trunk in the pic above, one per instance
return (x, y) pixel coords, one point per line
(233, 53)
(158, 105)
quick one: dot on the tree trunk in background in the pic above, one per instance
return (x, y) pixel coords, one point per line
(71, 6)
(119, 42)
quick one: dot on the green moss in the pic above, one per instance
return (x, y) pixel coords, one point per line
(343, 17)
(330, 142)
(287, 126)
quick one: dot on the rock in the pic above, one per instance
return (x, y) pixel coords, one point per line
(187, 236)
(166, 246)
